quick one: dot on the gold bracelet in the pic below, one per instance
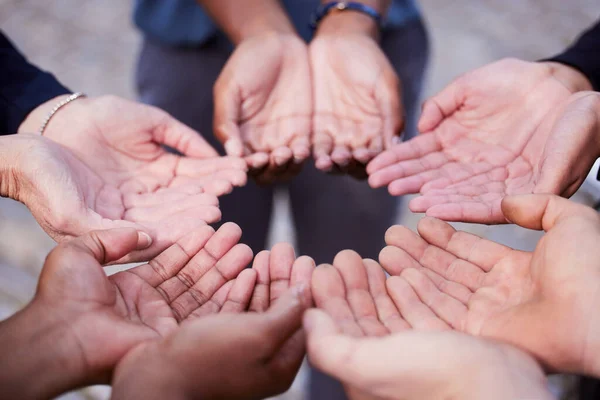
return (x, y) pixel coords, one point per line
(57, 107)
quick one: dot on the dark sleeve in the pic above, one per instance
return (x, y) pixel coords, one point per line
(23, 87)
(584, 55)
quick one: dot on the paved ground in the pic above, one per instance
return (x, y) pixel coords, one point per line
(91, 46)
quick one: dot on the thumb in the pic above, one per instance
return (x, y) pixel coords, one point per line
(441, 106)
(541, 211)
(184, 139)
(328, 349)
(227, 102)
(110, 245)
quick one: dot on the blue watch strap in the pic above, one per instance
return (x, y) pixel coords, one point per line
(325, 9)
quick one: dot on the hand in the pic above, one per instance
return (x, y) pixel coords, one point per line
(493, 132)
(263, 105)
(246, 356)
(418, 365)
(119, 175)
(544, 302)
(102, 318)
(358, 109)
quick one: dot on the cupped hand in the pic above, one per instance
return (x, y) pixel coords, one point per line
(119, 174)
(263, 105)
(507, 128)
(543, 302)
(358, 109)
(105, 317)
(422, 365)
(252, 355)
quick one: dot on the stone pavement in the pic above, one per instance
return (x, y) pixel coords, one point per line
(91, 46)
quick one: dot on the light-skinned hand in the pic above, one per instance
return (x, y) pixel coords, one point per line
(117, 173)
(511, 127)
(263, 105)
(358, 109)
(542, 301)
(422, 365)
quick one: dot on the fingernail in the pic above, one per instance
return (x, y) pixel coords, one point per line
(144, 240)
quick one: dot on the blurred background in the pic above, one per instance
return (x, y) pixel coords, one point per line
(91, 46)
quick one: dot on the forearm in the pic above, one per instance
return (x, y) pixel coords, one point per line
(352, 22)
(36, 360)
(243, 19)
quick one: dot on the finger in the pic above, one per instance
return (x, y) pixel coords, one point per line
(300, 146)
(257, 161)
(205, 205)
(390, 105)
(447, 308)
(215, 304)
(283, 319)
(396, 260)
(441, 106)
(168, 263)
(281, 260)
(413, 149)
(329, 294)
(281, 157)
(240, 294)
(542, 211)
(227, 102)
(478, 251)
(387, 312)
(322, 141)
(261, 295)
(214, 248)
(436, 259)
(195, 168)
(462, 176)
(354, 275)
(104, 246)
(224, 270)
(473, 212)
(160, 197)
(417, 314)
(301, 275)
(183, 138)
(341, 155)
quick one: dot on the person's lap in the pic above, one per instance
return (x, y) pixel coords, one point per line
(330, 213)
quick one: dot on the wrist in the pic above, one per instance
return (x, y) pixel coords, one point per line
(34, 120)
(145, 373)
(40, 359)
(573, 79)
(12, 179)
(343, 23)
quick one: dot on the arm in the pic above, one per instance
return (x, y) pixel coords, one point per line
(584, 56)
(243, 19)
(23, 87)
(37, 356)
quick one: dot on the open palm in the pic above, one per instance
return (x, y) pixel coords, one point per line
(543, 301)
(357, 102)
(263, 105)
(107, 316)
(483, 137)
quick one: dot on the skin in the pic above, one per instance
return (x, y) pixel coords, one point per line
(358, 110)
(106, 156)
(81, 322)
(407, 365)
(263, 109)
(511, 127)
(273, 111)
(542, 301)
(264, 348)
